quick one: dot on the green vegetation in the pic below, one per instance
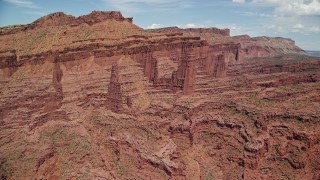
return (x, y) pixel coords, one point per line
(85, 32)
(7, 29)
(169, 101)
(5, 170)
(74, 149)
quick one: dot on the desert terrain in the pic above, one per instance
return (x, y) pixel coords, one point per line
(97, 97)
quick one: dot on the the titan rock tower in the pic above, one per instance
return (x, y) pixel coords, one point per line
(114, 98)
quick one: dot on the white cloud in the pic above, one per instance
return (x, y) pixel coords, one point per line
(144, 1)
(285, 16)
(154, 26)
(292, 7)
(298, 26)
(315, 29)
(191, 25)
(266, 15)
(184, 26)
(23, 3)
(133, 6)
(239, 1)
(275, 28)
(300, 8)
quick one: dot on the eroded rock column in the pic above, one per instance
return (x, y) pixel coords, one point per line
(220, 67)
(184, 77)
(54, 101)
(114, 99)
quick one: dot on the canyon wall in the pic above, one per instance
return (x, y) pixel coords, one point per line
(247, 47)
(170, 58)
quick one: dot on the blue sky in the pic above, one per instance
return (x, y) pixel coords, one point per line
(296, 19)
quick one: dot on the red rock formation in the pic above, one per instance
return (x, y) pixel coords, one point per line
(53, 102)
(242, 46)
(181, 79)
(99, 16)
(55, 19)
(172, 118)
(150, 65)
(223, 32)
(154, 73)
(114, 97)
(266, 46)
(8, 63)
(8, 59)
(59, 19)
(215, 66)
(219, 67)
(232, 51)
(56, 80)
(187, 70)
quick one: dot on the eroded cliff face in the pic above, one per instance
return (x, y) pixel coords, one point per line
(245, 46)
(130, 103)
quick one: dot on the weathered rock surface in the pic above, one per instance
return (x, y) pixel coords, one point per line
(266, 46)
(239, 47)
(96, 97)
